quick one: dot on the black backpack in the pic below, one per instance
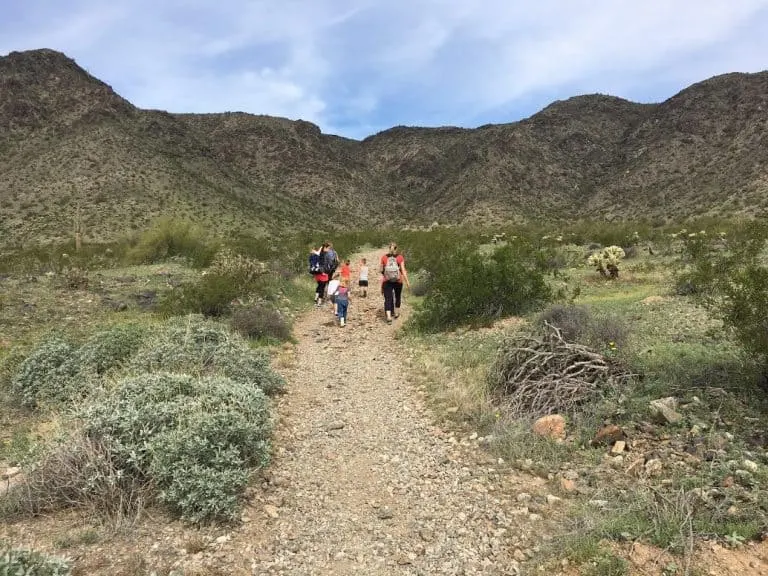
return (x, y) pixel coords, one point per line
(316, 264)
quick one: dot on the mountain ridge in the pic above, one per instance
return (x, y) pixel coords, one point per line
(69, 142)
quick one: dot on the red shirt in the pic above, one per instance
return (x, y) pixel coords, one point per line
(400, 261)
(346, 271)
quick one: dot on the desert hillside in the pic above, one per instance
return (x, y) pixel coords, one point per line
(67, 140)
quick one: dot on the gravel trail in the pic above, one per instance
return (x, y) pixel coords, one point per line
(363, 481)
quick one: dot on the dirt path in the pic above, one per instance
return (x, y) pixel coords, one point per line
(363, 482)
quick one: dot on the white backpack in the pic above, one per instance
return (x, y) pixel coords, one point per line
(392, 269)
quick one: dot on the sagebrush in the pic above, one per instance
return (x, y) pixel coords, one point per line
(194, 345)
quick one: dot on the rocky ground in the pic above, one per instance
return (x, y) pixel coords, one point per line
(364, 480)
(365, 483)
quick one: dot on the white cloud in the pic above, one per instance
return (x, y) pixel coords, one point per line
(351, 65)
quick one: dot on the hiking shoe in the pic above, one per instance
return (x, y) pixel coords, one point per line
(341, 322)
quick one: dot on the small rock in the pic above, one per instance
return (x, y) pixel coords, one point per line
(750, 465)
(385, 513)
(608, 435)
(452, 410)
(664, 411)
(271, 511)
(523, 497)
(567, 485)
(727, 482)
(618, 447)
(653, 467)
(223, 539)
(426, 534)
(552, 426)
(553, 500)
(339, 425)
(519, 555)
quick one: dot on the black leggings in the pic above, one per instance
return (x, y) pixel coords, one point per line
(393, 292)
(320, 291)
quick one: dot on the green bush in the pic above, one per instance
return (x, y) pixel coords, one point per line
(106, 349)
(420, 283)
(196, 346)
(169, 238)
(230, 276)
(259, 321)
(468, 288)
(732, 279)
(212, 295)
(59, 372)
(194, 438)
(26, 562)
(40, 378)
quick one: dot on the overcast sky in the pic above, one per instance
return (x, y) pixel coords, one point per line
(359, 66)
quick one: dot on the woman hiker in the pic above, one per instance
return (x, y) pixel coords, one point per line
(393, 274)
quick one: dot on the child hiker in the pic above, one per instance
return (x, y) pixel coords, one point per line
(363, 277)
(346, 271)
(333, 288)
(342, 301)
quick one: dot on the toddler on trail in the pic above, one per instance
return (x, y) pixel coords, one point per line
(342, 301)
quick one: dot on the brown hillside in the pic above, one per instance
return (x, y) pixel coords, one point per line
(67, 140)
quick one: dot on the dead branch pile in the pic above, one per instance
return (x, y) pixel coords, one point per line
(535, 376)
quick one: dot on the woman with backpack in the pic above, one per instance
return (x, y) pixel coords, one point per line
(393, 274)
(318, 269)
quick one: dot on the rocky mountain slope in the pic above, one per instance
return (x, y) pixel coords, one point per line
(68, 142)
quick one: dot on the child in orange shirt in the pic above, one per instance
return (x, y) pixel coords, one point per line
(346, 271)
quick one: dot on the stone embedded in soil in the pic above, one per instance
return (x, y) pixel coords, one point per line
(664, 411)
(552, 426)
(608, 435)
(618, 448)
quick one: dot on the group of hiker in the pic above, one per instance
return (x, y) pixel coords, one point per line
(334, 280)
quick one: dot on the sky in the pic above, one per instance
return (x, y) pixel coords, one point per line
(356, 67)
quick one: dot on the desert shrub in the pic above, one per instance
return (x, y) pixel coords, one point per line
(420, 283)
(579, 324)
(58, 372)
(733, 282)
(74, 278)
(607, 332)
(467, 288)
(259, 321)
(40, 377)
(572, 321)
(606, 261)
(78, 472)
(241, 268)
(196, 346)
(173, 238)
(23, 561)
(211, 295)
(230, 276)
(106, 349)
(194, 438)
(566, 256)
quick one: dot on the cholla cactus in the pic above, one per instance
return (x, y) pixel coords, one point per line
(606, 261)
